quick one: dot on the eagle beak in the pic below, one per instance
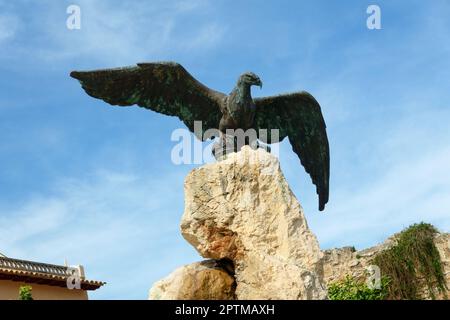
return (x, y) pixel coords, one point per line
(259, 84)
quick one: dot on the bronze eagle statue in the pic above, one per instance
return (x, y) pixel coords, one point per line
(167, 88)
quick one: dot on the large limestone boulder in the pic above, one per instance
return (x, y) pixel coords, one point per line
(242, 209)
(206, 280)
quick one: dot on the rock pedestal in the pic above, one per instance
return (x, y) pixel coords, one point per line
(241, 209)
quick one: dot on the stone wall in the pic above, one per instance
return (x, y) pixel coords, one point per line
(338, 263)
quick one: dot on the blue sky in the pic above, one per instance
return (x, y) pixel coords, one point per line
(93, 184)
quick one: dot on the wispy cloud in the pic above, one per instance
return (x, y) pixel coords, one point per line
(383, 182)
(97, 220)
(9, 25)
(120, 32)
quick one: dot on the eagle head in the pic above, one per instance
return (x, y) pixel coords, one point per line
(251, 79)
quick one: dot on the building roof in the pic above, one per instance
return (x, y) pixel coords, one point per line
(40, 273)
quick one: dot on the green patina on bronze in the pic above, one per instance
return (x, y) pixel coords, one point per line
(169, 89)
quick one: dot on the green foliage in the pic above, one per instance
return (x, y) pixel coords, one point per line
(351, 289)
(25, 293)
(414, 260)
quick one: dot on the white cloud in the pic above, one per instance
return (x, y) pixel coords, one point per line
(207, 37)
(125, 33)
(111, 222)
(9, 25)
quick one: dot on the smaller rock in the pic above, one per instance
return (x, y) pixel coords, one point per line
(206, 280)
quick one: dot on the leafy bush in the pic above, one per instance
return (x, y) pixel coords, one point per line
(351, 289)
(413, 260)
(25, 293)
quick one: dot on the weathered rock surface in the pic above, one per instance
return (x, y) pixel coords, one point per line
(242, 209)
(442, 242)
(206, 280)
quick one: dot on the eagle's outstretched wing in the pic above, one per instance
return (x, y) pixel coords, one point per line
(164, 87)
(298, 116)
